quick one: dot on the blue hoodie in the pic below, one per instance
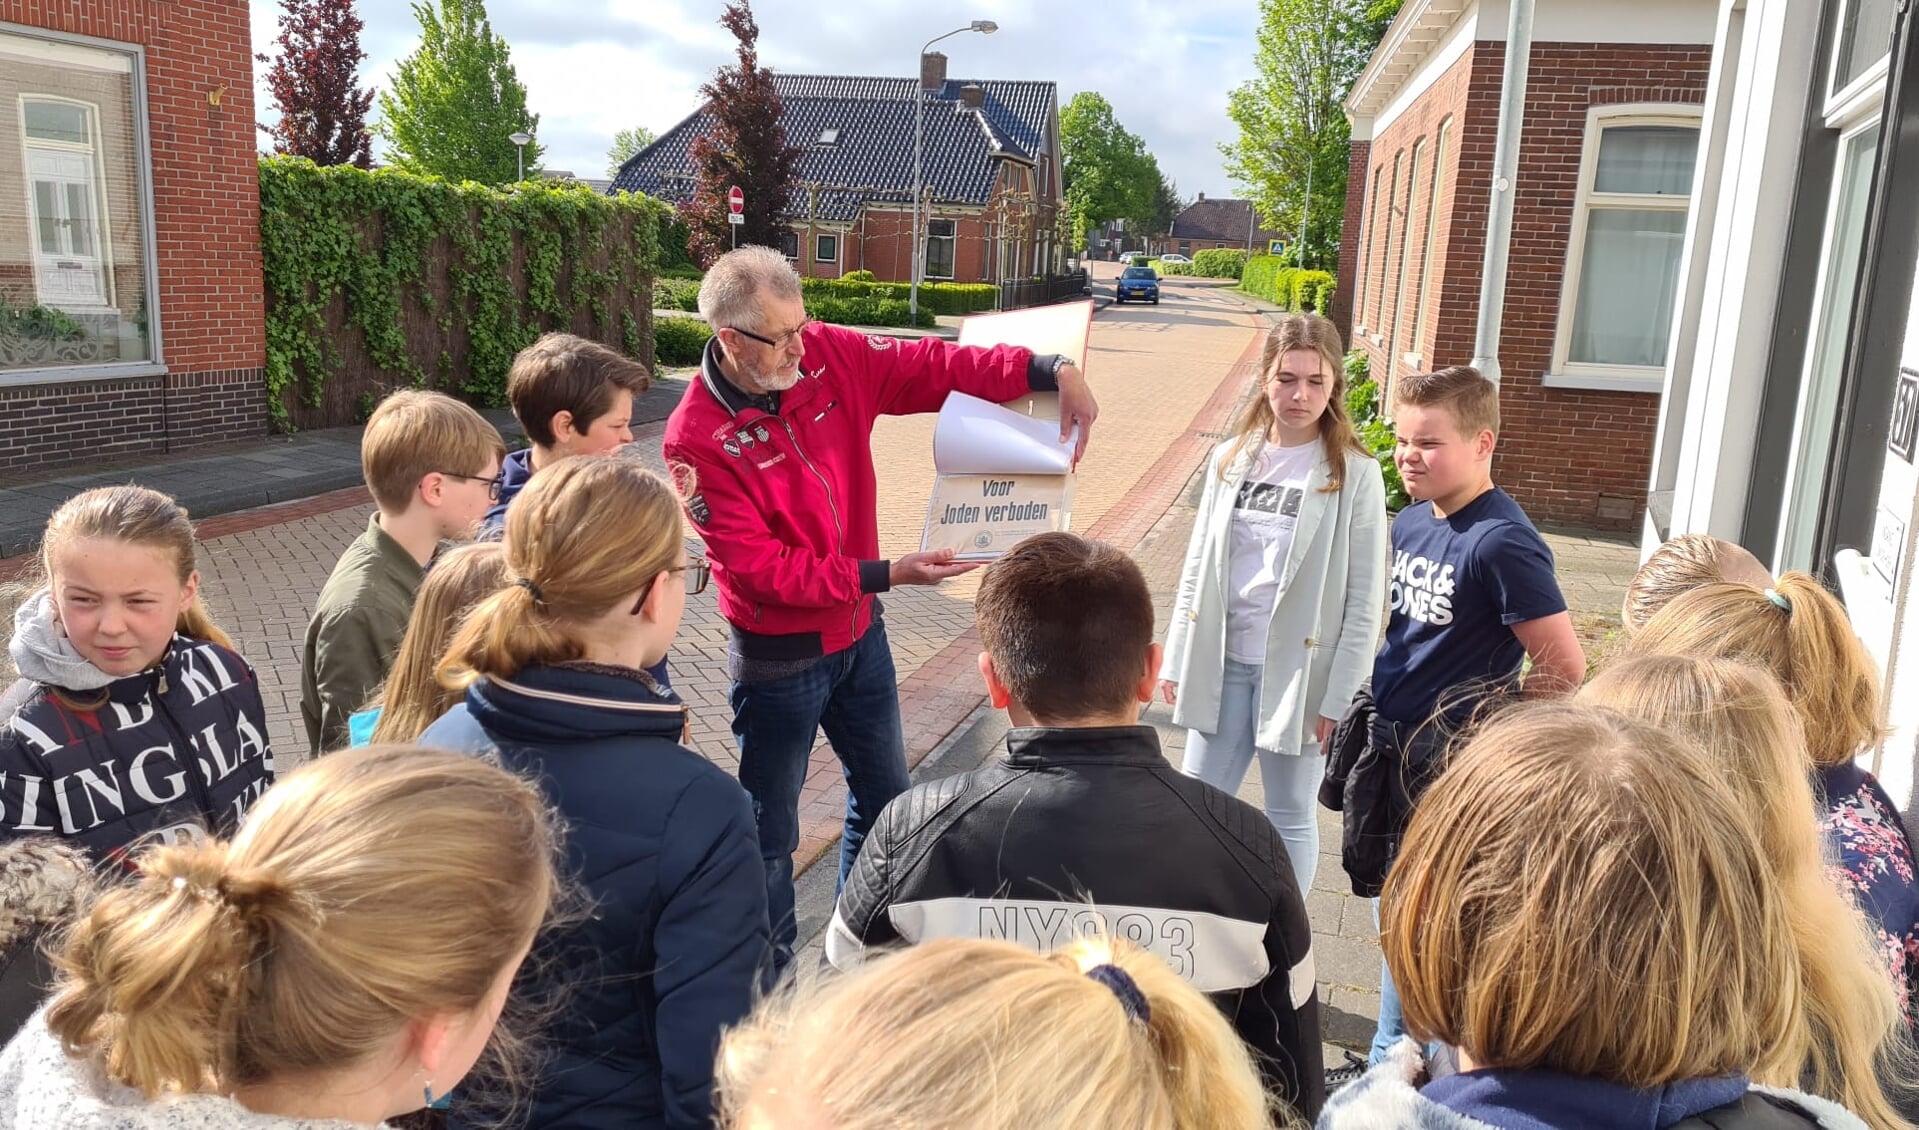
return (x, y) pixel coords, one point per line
(664, 843)
(1388, 1097)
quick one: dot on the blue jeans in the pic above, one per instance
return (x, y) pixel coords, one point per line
(1292, 780)
(854, 696)
(1392, 1022)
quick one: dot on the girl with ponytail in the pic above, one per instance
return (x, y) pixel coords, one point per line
(1799, 633)
(553, 669)
(132, 713)
(343, 960)
(966, 1034)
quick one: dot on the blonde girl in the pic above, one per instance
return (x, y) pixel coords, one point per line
(1277, 615)
(986, 1035)
(553, 666)
(412, 698)
(132, 714)
(341, 961)
(1800, 634)
(1747, 729)
(1583, 908)
(1682, 564)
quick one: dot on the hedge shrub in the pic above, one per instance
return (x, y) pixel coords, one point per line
(1164, 268)
(1269, 277)
(868, 311)
(938, 297)
(676, 294)
(679, 341)
(1220, 262)
(1376, 432)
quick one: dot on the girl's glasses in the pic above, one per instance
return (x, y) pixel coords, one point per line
(698, 572)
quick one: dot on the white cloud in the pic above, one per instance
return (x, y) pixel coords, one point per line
(596, 67)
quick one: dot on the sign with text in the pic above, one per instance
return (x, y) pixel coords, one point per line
(1905, 415)
(1002, 477)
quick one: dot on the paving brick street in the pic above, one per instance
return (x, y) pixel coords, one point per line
(1167, 378)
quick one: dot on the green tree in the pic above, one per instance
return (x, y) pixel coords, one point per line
(626, 143)
(1107, 172)
(1167, 205)
(453, 105)
(1293, 131)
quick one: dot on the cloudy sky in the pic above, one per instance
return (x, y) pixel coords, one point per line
(595, 66)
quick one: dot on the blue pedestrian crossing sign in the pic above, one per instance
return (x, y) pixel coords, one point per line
(1277, 246)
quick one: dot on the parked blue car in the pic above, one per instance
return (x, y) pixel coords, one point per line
(1138, 282)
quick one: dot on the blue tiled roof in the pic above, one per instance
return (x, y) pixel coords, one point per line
(873, 154)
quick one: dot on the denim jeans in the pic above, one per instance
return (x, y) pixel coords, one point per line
(1392, 1022)
(854, 696)
(1292, 780)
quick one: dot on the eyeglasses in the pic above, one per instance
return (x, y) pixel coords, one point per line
(492, 485)
(780, 342)
(698, 574)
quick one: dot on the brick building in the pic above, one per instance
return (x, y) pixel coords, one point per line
(1205, 224)
(132, 320)
(990, 167)
(1612, 122)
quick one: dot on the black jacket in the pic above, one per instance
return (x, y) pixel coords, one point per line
(1376, 770)
(663, 842)
(1092, 827)
(181, 745)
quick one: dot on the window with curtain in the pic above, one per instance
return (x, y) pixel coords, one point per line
(1422, 301)
(1629, 227)
(940, 238)
(73, 232)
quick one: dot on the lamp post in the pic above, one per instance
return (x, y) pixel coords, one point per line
(984, 27)
(519, 140)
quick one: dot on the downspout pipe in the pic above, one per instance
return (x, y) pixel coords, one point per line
(1499, 221)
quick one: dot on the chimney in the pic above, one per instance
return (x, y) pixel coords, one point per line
(932, 70)
(971, 96)
(1202, 197)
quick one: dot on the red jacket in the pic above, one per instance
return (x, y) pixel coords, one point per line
(787, 503)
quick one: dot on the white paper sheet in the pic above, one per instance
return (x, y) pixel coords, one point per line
(978, 437)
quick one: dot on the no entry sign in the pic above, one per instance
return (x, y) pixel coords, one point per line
(735, 200)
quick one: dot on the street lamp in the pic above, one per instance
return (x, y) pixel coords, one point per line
(984, 27)
(520, 140)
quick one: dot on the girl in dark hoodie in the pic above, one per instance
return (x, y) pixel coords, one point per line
(132, 714)
(554, 670)
(1585, 911)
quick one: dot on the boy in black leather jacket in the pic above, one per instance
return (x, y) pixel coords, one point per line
(1085, 827)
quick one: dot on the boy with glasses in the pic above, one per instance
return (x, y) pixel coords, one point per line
(778, 432)
(432, 465)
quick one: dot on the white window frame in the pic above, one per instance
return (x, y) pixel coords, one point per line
(1423, 305)
(1368, 223)
(143, 190)
(799, 242)
(1611, 378)
(1869, 88)
(818, 242)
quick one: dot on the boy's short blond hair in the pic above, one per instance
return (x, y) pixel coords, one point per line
(414, 433)
(1462, 390)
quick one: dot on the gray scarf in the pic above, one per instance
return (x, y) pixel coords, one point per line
(42, 652)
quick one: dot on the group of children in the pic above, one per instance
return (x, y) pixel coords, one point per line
(1662, 898)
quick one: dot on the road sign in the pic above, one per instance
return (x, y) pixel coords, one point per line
(1277, 246)
(735, 218)
(735, 200)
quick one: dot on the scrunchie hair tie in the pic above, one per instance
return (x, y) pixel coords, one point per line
(1780, 599)
(527, 584)
(1125, 988)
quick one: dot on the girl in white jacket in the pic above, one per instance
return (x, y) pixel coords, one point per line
(1279, 603)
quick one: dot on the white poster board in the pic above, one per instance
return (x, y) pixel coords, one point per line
(1002, 474)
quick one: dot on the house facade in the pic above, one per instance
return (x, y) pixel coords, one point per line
(990, 168)
(1205, 224)
(1611, 137)
(132, 317)
(1791, 392)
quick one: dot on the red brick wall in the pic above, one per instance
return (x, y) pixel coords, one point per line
(1350, 242)
(206, 202)
(1571, 457)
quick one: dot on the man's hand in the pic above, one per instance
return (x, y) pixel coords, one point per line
(1076, 405)
(1169, 690)
(929, 568)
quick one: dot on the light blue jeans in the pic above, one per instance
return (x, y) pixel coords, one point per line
(1392, 1022)
(1292, 780)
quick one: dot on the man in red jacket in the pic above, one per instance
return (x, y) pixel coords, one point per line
(777, 431)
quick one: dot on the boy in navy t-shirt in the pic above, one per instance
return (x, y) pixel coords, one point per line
(1473, 594)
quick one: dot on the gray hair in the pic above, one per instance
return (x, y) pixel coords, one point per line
(730, 293)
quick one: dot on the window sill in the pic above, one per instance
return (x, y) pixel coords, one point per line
(1625, 380)
(1412, 361)
(73, 374)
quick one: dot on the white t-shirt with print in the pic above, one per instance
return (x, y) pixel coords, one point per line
(1264, 513)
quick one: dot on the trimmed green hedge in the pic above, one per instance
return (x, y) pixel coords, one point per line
(676, 293)
(938, 297)
(679, 341)
(1164, 268)
(1268, 277)
(1220, 262)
